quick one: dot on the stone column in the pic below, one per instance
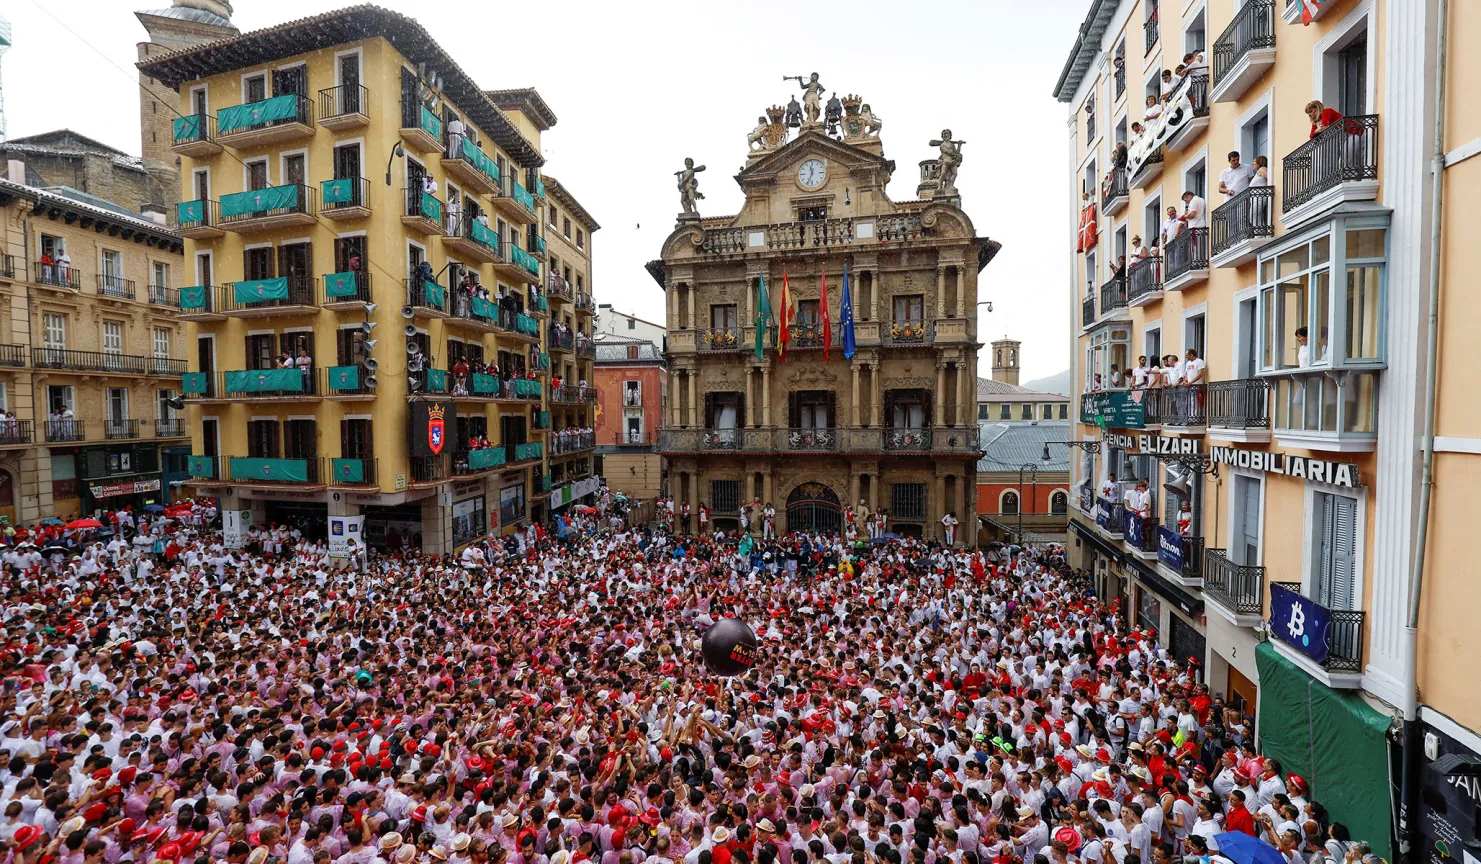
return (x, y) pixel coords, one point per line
(766, 395)
(751, 283)
(854, 370)
(693, 312)
(940, 394)
(961, 292)
(877, 382)
(768, 491)
(693, 397)
(874, 294)
(967, 393)
(853, 491)
(673, 300)
(674, 401)
(940, 292)
(694, 498)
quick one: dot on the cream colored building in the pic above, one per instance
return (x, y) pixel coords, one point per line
(1304, 293)
(895, 426)
(92, 356)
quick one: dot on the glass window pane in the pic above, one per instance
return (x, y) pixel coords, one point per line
(1293, 262)
(1282, 403)
(1321, 288)
(1329, 402)
(1269, 328)
(1321, 250)
(1360, 402)
(1293, 311)
(1365, 243)
(1363, 293)
(1311, 401)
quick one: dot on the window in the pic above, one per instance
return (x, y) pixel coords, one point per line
(907, 409)
(256, 174)
(1152, 344)
(1331, 283)
(1059, 504)
(1026, 412)
(1048, 412)
(160, 274)
(53, 330)
(725, 496)
(908, 500)
(1152, 224)
(112, 271)
(723, 317)
(1109, 346)
(1193, 334)
(813, 409)
(1254, 136)
(566, 227)
(580, 239)
(162, 408)
(1064, 411)
(1005, 411)
(161, 342)
(1244, 545)
(254, 88)
(632, 324)
(909, 308)
(554, 216)
(632, 393)
(1334, 533)
(807, 313)
(1195, 179)
(118, 404)
(1008, 503)
(1194, 37)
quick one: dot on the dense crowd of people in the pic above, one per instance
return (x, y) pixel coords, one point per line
(543, 702)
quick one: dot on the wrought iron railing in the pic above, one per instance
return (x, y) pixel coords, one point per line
(69, 429)
(119, 428)
(295, 289)
(161, 295)
(1110, 515)
(1239, 404)
(809, 440)
(13, 355)
(1144, 278)
(1113, 187)
(1344, 152)
(169, 427)
(1149, 165)
(344, 193)
(1113, 294)
(288, 199)
(1182, 553)
(1246, 216)
(424, 294)
(353, 471)
(1251, 28)
(1238, 587)
(116, 287)
(571, 442)
(343, 100)
(1149, 31)
(1186, 253)
(15, 431)
(1182, 405)
(57, 275)
(1344, 637)
(1141, 532)
(104, 361)
(1087, 308)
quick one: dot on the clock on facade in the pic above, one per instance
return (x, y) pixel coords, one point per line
(812, 174)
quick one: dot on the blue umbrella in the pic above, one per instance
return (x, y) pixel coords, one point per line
(1241, 848)
(154, 508)
(51, 520)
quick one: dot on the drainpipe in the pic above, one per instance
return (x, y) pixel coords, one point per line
(1410, 841)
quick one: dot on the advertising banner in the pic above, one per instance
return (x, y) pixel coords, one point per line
(341, 530)
(1299, 622)
(234, 527)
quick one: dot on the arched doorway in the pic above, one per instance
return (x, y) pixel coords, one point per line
(814, 507)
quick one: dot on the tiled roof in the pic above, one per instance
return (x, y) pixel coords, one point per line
(64, 198)
(559, 192)
(528, 100)
(195, 16)
(1010, 446)
(989, 390)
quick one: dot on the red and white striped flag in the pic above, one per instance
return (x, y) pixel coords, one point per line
(1309, 10)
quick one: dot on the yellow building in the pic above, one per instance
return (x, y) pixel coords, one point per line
(363, 231)
(1293, 298)
(91, 358)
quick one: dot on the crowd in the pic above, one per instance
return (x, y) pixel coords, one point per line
(539, 699)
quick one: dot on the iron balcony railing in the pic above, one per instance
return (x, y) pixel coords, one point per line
(424, 205)
(1198, 93)
(810, 440)
(116, 287)
(13, 355)
(959, 440)
(1113, 294)
(347, 286)
(1187, 253)
(1344, 152)
(585, 347)
(425, 294)
(1237, 587)
(1181, 405)
(1113, 187)
(15, 431)
(288, 199)
(1252, 27)
(203, 467)
(343, 100)
(557, 339)
(104, 361)
(343, 193)
(1239, 404)
(288, 471)
(1141, 532)
(1120, 77)
(7, 266)
(1148, 165)
(197, 213)
(429, 469)
(120, 428)
(69, 429)
(353, 471)
(1344, 637)
(1144, 278)
(193, 128)
(169, 427)
(1246, 216)
(1149, 31)
(1087, 308)
(161, 295)
(1182, 553)
(57, 275)
(558, 287)
(265, 113)
(302, 290)
(573, 394)
(252, 384)
(1110, 515)
(572, 442)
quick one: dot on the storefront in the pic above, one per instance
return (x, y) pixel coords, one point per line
(512, 504)
(1105, 564)
(111, 478)
(470, 519)
(1176, 613)
(136, 491)
(392, 528)
(309, 517)
(573, 492)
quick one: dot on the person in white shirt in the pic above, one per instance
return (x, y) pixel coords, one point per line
(1138, 249)
(455, 132)
(1195, 210)
(1171, 227)
(1236, 178)
(1139, 373)
(1303, 352)
(1193, 368)
(1172, 370)
(1139, 500)
(948, 523)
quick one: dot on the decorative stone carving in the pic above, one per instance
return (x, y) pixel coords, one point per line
(812, 96)
(689, 192)
(812, 375)
(948, 162)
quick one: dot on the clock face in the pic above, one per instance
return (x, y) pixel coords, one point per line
(812, 174)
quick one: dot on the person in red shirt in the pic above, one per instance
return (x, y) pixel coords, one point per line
(1321, 116)
(1239, 818)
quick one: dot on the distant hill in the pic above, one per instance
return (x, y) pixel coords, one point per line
(1059, 383)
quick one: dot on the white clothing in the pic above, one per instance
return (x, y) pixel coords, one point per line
(1236, 180)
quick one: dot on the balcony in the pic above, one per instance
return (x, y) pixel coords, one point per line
(420, 128)
(349, 383)
(65, 431)
(811, 234)
(199, 219)
(809, 440)
(558, 288)
(200, 303)
(428, 469)
(565, 443)
(941, 440)
(1087, 309)
(720, 340)
(344, 199)
(559, 340)
(269, 385)
(1237, 591)
(346, 291)
(1150, 28)
(1110, 516)
(1114, 409)
(514, 201)
(170, 427)
(116, 287)
(585, 348)
(474, 168)
(194, 135)
(161, 295)
(1113, 192)
(268, 209)
(48, 275)
(1327, 643)
(120, 429)
(7, 266)
(1319, 409)
(471, 238)
(907, 440)
(1147, 170)
(1112, 295)
(13, 355)
(1241, 225)
(277, 296)
(423, 213)
(15, 433)
(530, 451)
(344, 107)
(474, 311)
(479, 461)
(1337, 166)
(1181, 555)
(1180, 408)
(908, 331)
(424, 298)
(1187, 113)
(585, 303)
(203, 467)
(280, 119)
(1144, 281)
(346, 471)
(106, 362)
(272, 471)
(526, 262)
(1244, 50)
(1141, 534)
(1187, 259)
(1239, 411)
(573, 394)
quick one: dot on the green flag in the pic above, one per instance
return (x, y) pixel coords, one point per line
(763, 319)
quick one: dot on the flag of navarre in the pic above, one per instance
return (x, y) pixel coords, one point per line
(436, 429)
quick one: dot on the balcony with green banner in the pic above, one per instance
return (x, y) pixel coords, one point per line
(527, 388)
(194, 135)
(239, 122)
(191, 127)
(483, 308)
(285, 205)
(344, 198)
(344, 288)
(540, 188)
(484, 236)
(528, 450)
(1113, 409)
(262, 470)
(525, 261)
(432, 296)
(523, 197)
(346, 380)
(251, 292)
(485, 458)
(195, 298)
(526, 325)
(542, 420)
(351, 472)
(436, 380)
(485, 385)
(267, 382)
(195, 384)
(202, 467)
(421, 128)
(540, 246)
(540, 304)
(474, 167)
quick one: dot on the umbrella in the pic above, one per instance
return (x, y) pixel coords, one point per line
(83, 523)
(1241, 848)
(57, 549)
(154, 508)
(51, 520)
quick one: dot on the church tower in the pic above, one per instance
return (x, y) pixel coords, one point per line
(1005, 361)
(185, 24)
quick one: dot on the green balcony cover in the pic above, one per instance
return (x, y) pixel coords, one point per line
(480, 160)
(485, 457)
(542, 419)
(431, 207)
(482, 308)
(431, 122)
(253, 291)
(540, 244)
(265, 381)
(349, 470)
(256, 201)
(346, 284)
(526, 387)
(193, 297)
(278, 470)
(344, 377)
(523, 196)
(194, 383)
(528, 450)
(527, 325)
(437, 380)
(341, 191)
(242, 117)
(434, 295)
(201, 466)
(486, 385)
(191, 127)
(484, 234)
(190, 212)
(529, 262)
(540, 187)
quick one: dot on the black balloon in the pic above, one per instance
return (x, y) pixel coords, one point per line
(729, 647)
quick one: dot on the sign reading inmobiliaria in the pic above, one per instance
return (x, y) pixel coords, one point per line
(1344, 474)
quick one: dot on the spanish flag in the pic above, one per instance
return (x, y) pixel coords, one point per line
(784, 320)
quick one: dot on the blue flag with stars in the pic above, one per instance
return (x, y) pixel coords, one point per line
(846, 316)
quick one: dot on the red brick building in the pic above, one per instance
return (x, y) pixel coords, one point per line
(629, 375)
(1013, 478)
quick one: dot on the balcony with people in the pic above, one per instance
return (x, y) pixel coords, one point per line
(464, 160)
(424, 210)
(1144, 276)
(1245, 222)
(1114, 192)
(1244, 51)
(1185, 244)
(1338, 164)
(1112, 297)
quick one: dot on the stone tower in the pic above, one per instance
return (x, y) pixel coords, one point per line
(1005, 360)
(185, 24)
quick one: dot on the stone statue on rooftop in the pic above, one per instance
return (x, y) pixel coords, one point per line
(689, 188)
(812, 96)
(949, 161)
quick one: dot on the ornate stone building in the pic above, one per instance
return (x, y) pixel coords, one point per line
(895, 424)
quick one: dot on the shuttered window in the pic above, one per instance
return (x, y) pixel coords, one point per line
(725, 495)
(1335, 526)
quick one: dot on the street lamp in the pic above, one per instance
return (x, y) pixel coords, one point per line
(1033, 469)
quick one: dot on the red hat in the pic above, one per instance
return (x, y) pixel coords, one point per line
(1103, 755)
(665, 753)
(419, 815)
(169, 851)
(127, 775)
(1295, 781)
(1069, 837)
(339, 745)
(126, 827)
(25, 835)
(386, 763)
(650, 817)
(316, 754)
(102, 774)
(95, 811)
(154, 835)
(619, 838)
(434, 750)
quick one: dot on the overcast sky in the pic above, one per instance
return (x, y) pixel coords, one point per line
(639, 86)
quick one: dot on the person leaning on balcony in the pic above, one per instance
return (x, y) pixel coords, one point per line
(455, 132)
(1195, 210)
(1321, 116)
(1303, 350)
(64, 266)
(1154, 109)
(1193, 368)
(1185, 518)
(1139, 373)
(1171, 227)
(1237, 177)
(1169, 83)
(1138, 249)
(1138, 501)
(1118, 380)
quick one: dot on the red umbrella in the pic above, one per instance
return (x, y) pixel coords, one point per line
(83, 523)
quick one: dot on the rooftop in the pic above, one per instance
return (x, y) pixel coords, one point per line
(1086, 47)
(1010, 446)
(557, 190)
(62, 200)
(989, 390)
(528, 101)
(195, 16)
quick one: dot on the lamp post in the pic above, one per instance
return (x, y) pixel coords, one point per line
(1033, 469)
